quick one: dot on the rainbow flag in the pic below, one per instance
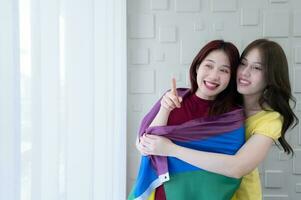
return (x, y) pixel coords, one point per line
(220, 134)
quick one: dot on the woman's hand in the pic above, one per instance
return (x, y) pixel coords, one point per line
(139, 147)
(171, 100)
(156, 145)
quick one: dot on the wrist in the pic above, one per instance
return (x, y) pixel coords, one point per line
(164, 110)
(174, 150)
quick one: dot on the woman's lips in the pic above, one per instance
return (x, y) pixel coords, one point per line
(211, 85)
(243, 82)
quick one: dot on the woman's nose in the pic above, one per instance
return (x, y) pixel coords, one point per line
(245, 71)
(214, 75)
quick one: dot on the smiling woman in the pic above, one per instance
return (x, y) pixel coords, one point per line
(204, 117)
(213, 75)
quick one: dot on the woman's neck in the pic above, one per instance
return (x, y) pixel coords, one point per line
(251, 105)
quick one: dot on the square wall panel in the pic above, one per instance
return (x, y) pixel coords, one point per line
(142, 81)
(278, 1)
(249, 17)
(218, 26)
(297, 80)
(223, 6)
(167, 34)
(199, 26)
(159, 55)
(189, 49)
(273, 179)
(298, 187)
(298, 54)
(296, 24)
(275, 197)
(141, 26)
(297, 162)
(139, 56)
(299, 136)
(188, 5)
(276, 24)
(159, 4)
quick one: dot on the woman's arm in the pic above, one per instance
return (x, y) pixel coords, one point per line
(161, 117)
(250, 155)
(170, 101)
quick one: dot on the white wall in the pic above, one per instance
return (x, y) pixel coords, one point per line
(165, 35)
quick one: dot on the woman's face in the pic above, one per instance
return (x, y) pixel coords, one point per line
(250, 74)
(213, 75)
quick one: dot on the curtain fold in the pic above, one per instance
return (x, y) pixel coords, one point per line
(9, 101)
(110, 99)
(77, 97)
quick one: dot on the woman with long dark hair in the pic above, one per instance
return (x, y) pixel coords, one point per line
(185, 115)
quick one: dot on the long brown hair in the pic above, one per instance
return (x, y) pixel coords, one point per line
(229, 97)
(277, 93)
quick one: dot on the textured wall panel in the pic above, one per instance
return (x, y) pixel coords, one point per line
(297, 161)
(141, 26)
(142, 81)
(297, 83)
(198, 26)
(159, 55)
(299, 136)
(249, 17)
(137, 107)
(273, 179)
(278, 1)
(139, 56)
(296, 23)
(275, 197)
(270, 29)
(298, 188)
(223, 6)
(188, 50)
(298, 54)
(167, 34)
(283, 156)
(159, 4)
(218, 26)
(188, 5)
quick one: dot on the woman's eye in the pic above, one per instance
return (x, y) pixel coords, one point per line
(225, 71)
(208, 66)
(256, 68)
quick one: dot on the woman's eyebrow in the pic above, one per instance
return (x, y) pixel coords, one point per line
(210, 60)
(214, 62)
(226, 66)
(260, 63)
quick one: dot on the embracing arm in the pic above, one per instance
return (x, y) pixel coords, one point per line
(250, 155)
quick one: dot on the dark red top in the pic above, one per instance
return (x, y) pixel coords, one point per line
(192, 107)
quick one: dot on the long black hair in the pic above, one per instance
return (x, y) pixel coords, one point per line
(277, 93)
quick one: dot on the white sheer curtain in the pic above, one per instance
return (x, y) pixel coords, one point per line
(9, 102)
(77, 131)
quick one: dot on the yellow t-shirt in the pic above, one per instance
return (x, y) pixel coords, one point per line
(268, 123)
